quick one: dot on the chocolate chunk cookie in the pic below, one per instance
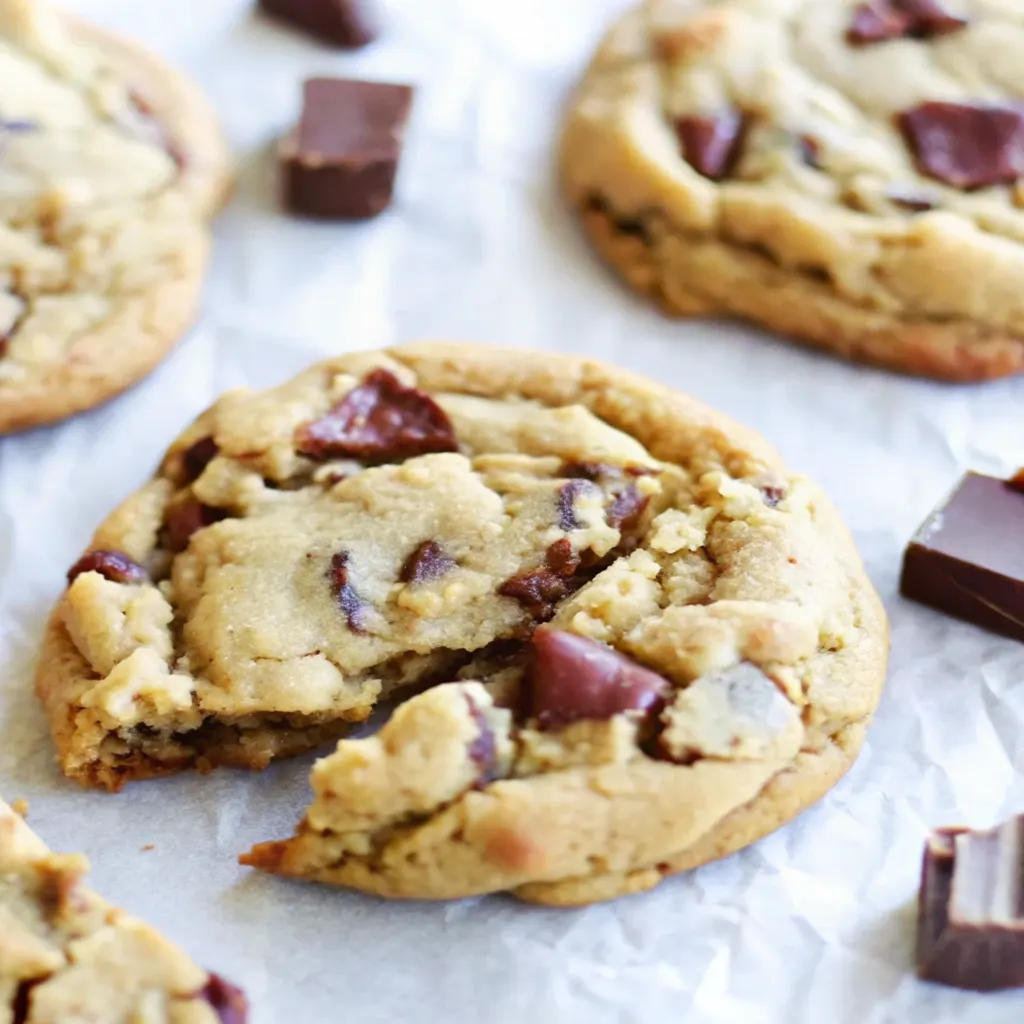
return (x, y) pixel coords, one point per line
(110, 165)
(846, 173)
(657, 643)
(68, 955)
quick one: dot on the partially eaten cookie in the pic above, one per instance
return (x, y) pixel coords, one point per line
(626, 638)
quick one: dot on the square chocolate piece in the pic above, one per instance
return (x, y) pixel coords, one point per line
(970, 926)
(967, 559)
(340, 162)
(347, 23)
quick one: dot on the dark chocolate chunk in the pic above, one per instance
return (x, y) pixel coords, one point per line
(573, 678)
(879, 20)
(427, 562)
(810, 151)
(198, 457)
(227, 1000)
(348, 600)
(711, 145)
(115, 566)
(347, 23)
(967, 559)
(381, 419)
(483, 751)
(542, 588)
(1017, 480)
(567, 495)
(626, 508)
(188, 518)
(966, 145)
(342, 160)
(970, 925)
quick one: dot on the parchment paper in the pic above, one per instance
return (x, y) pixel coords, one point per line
(814, 925)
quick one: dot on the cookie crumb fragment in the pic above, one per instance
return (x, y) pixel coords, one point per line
(20, 808)
(341, 162)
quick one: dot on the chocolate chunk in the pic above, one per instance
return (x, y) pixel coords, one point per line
(626, 507)
(427, 562)
(227, 1000)
(348, 600)
(188, 518)
(346, 23)
(966, 145)
(772, 494)
(541, 589)
(909, 200)
(810, 151)
(970, 925)
(567, 495)
(198, 457)
(1017, 480)
(573, 678)
(381, 419)
(967, 559)
(711, 145)
(879, 20)
(483, 751)
(22, 997)
(115, 566)
(342, 160)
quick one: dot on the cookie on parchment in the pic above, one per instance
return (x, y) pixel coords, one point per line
(845, 173)
(111, 163)
(68, 955)
(711, 650)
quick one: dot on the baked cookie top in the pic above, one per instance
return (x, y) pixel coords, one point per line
(874, 150)
(110, 164)
(68, 955)
(387, 521)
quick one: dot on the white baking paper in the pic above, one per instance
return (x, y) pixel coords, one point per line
(814, 925)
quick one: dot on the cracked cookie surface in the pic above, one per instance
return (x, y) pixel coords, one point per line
(66, 955)
(110, 165)
(643, 641)
(844, 173)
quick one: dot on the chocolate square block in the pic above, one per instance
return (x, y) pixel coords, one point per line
(970, 926)
(341, 161)
(967, 559)
(347, 23)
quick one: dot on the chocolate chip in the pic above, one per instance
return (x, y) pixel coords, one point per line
(342, 160)
(586, 470)
(1017, 480)
(483, 751)
(198, 457)
(626, 508)
(345, 23)
(348, 600)
(810, 151)
(22, 994)
(573, 678)
(567, 495)
(541, 589)
(381, 419)
(880, 20)
(187, 518)
(115, 566)
(966, 145)
(772, 494)
(427, 562)
(711, 145)
(909, 200)
(227, 1000)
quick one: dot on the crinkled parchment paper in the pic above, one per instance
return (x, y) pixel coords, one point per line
(813, 925)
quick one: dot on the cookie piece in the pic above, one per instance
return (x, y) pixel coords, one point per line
(845, 173)
(387, 521)
(110, 165)
(66, 954)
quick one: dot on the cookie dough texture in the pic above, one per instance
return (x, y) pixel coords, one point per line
(66, 955)
(825, 230)
(111, 163)
(280, 592)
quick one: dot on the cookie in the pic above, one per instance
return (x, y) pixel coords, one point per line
(844, 173)
(68, 955)
(391, 521)
(111, 164)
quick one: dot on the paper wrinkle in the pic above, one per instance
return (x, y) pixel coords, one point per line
(812, 925)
